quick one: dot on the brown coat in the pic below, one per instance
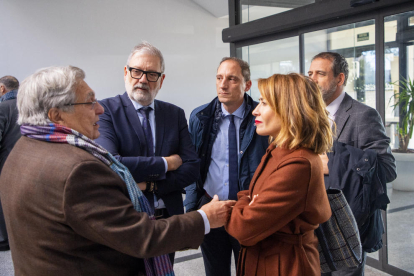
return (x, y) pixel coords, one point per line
(67, 213)
(276, 228)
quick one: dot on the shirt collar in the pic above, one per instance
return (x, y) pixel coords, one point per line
(334, 106)
(138, 105)
(238, 113)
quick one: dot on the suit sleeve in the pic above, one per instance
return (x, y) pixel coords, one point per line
(141, 167)
(97, 207)
(191, 195)
(281, 197)
(372, 135)
(189, 171)
(3, 121)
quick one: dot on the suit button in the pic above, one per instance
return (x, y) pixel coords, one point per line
(366, 159)
(358, 169)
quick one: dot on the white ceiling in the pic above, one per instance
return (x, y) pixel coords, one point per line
(220, 8)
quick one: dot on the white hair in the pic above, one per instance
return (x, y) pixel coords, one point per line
(148, 48)
(47, 88)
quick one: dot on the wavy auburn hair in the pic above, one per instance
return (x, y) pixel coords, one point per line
(298, 102)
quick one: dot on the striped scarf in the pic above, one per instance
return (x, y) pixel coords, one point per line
(54, 133)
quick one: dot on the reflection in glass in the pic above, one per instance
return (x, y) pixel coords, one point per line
(399, 64)
(266, 59)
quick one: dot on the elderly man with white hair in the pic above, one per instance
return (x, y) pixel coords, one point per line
(70, 207)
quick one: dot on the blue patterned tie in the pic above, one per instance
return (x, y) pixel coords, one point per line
(233, 175)
(147, 129)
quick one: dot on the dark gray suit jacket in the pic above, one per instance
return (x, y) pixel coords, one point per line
(9, 129)
(9, 134)
(361, 126)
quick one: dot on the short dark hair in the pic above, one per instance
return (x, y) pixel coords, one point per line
(10, 82)
(245, 68)
(339, 63)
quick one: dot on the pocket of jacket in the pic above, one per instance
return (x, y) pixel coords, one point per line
(272, 265)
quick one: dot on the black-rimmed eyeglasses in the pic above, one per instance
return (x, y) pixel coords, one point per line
(138, 73)
(91, 103)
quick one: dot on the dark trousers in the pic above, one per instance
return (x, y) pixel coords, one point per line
(216, 249)
(4, 242)
(355, 271)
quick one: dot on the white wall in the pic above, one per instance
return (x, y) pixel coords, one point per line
(97, 36)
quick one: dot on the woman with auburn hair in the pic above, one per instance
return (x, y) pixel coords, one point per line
(274, 220)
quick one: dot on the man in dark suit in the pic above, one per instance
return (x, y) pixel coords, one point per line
(357, 124)
(9, 134)
(227, 166)
(148, 136)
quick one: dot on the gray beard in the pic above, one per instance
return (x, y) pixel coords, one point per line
(143, 98)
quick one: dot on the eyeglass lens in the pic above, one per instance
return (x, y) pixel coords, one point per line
(137, 74)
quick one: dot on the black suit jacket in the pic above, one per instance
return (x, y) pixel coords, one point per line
(123, 136)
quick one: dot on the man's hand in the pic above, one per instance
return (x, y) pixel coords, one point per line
(218, 212)
(324, 159)
(142, 185)
(174, 162)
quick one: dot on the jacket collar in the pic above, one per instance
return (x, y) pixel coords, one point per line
(342, 114)
(9, 96)
(210, 109)
(272, 151)
(135, 123)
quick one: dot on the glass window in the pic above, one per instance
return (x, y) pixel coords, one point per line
(356, 42)
(251, 12)
(266, 59)
(398, 68)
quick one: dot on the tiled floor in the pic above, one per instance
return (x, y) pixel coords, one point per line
(190, 267)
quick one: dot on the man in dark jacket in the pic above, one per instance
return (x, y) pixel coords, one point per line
(9, 134)
(357, 125)
(225, 138)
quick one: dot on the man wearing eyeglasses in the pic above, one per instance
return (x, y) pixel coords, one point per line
(148, 136)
